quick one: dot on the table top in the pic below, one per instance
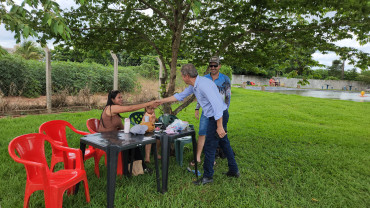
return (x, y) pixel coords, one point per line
(182, 133)
(117, 139)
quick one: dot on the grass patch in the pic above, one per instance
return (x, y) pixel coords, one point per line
(292, 151)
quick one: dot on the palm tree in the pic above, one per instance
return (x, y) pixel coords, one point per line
(29, 50)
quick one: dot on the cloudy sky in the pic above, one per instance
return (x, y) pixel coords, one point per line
(7, 41)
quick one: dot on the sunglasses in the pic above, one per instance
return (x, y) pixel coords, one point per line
(210, 66)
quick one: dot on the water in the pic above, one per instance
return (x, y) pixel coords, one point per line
(339, 95)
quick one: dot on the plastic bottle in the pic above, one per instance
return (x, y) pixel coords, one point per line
(127, 126)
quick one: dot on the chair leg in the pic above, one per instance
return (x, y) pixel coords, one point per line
(177, 151)
(27, 195)
(119, 164)
(54, 198)
(71, 164)
(96, 160)
(87, 194)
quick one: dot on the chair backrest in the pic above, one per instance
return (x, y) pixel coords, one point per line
(136, 117)
(92, 125)
(31, 151)
(56, 130)
(167, 119)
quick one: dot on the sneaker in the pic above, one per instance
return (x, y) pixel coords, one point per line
(231, 174)
(203, 181)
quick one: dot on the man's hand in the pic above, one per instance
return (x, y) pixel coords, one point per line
(221, 132)
(197, 114)
(155, 103)
(220, 129)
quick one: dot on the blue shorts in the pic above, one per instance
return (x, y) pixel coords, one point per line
(203, 124)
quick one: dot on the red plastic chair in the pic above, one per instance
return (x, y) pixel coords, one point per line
(56, 129)
(92, 125)
(31, 151)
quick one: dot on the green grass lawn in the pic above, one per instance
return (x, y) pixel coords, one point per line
(292, 151)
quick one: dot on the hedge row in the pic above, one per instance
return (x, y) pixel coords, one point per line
(19, 77)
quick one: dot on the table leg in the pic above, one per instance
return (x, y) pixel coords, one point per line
(112, 157)
(156, 167)
(82, 148)
(125, 154)
(194, 141)
(165, 161)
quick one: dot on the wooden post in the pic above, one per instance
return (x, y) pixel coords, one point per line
(115, 75)
(48, 78)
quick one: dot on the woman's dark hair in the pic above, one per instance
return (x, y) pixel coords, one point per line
(111, 95)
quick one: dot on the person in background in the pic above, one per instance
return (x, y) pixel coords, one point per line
(224, 87)
(150, 115)
(272, 82)
(215, 109)
(110, 119)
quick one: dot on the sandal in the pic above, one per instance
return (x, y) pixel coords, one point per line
(192, 163)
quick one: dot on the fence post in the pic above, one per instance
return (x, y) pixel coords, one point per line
(115, 75)
(48, 78)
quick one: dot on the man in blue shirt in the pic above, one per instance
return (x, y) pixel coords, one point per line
(209, 98)
(224, 87)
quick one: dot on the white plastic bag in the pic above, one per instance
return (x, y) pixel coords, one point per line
(177, 125)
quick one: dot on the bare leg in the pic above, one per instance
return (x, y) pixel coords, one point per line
(147, 152)
(201, 140)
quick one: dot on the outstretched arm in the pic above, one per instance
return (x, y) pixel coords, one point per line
(123, 109)
(168, 100)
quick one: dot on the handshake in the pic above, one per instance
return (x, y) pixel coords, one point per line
(156, 103)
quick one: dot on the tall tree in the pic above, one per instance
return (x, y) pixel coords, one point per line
(335, 69)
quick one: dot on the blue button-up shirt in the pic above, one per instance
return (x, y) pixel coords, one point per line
(208, 96)
(224, 87)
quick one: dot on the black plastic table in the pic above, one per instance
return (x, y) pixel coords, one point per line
(165, 147)
(113, 143)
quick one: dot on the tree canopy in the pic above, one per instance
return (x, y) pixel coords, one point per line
(37, 18)
(251, 34)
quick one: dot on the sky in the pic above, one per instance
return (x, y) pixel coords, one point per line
(7, 41)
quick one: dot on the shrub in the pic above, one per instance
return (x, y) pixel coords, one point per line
(17, 78)
(331, 78)
(60, 99)
(27, 78)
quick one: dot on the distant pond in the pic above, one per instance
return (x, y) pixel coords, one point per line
(331, 94)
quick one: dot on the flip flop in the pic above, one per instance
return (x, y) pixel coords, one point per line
(193, 171)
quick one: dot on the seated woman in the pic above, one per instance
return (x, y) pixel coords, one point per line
(110, 119)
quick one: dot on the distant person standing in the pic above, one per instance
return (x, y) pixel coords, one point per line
(209, 98)
(224, 87)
